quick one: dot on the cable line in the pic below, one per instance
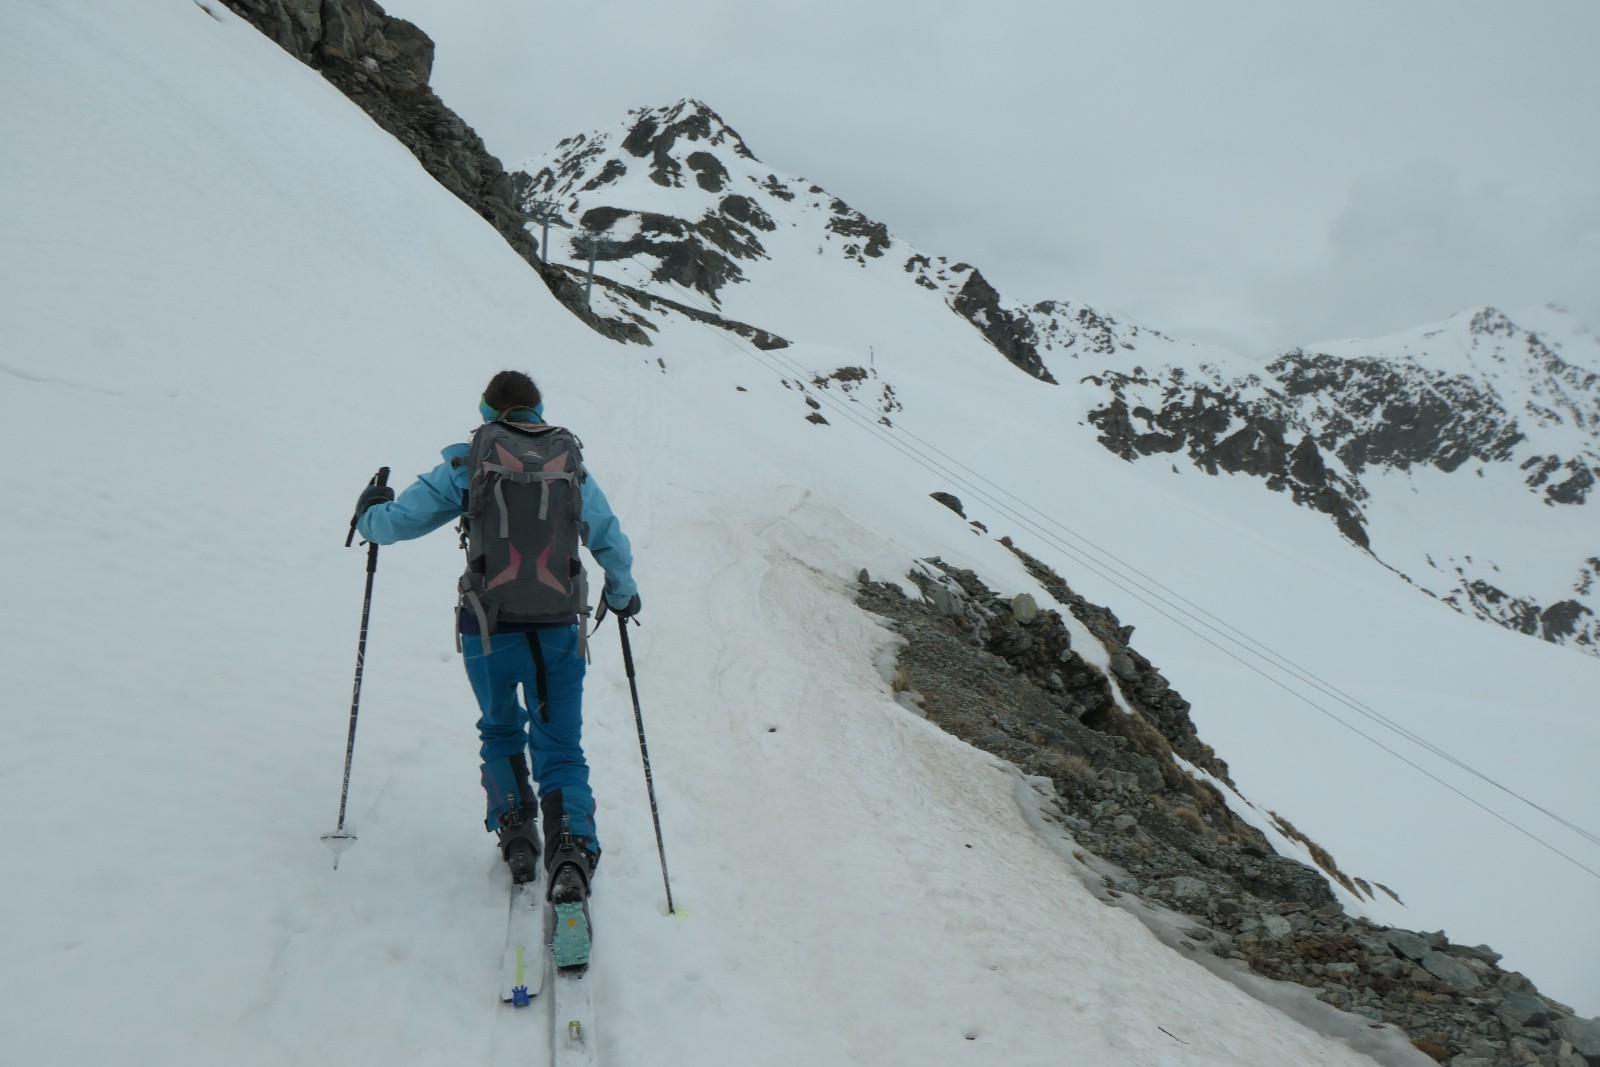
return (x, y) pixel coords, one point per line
(1245, 641)
(1052, 530)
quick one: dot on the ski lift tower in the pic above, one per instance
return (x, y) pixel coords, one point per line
(590, 241)
(546, 212)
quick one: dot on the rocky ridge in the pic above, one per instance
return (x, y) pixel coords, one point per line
(383, 65)
(1318, 426)
(1001, 673)
(715, 234)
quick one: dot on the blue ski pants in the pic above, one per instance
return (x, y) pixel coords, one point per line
(547, 719)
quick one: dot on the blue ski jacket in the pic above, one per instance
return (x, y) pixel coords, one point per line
(440, 495)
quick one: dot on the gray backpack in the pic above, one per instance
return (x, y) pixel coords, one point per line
(523, 525)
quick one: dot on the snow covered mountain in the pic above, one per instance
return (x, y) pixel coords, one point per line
(248, 296)
(1462, 455)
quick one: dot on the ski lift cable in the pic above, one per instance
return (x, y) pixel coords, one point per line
(768, 359)
(1259, 648)
(1236, 636)
(877, 429)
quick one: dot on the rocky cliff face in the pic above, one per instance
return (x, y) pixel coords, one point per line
(383, 64)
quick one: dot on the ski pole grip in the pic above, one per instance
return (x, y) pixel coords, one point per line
(381, 478)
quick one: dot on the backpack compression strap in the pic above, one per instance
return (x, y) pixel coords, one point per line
(475, 602)
(542, 478)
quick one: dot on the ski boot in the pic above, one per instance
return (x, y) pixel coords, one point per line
(570, 866)
(513, 815)
(519, 844)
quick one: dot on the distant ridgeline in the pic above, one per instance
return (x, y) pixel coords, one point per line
(1322, 427)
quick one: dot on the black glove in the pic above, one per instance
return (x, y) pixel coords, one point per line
(628, 610)
(373, 494)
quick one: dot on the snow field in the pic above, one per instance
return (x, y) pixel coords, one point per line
(179, 628)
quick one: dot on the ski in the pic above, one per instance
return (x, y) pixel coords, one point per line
(522, 967)
(572, 1034)
(568, 938)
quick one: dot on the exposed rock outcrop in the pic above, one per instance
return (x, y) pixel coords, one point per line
(1001, 674)
(383, 64)
(1219, 432)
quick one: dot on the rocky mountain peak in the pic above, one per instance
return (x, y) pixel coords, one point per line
(724, 203)
(684, 145)
(688, 126)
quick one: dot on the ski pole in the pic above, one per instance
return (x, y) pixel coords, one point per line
(644, 752)
(341, 839)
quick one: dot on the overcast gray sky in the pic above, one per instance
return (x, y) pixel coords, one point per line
(1257, 173)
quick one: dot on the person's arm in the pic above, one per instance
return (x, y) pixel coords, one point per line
(608, 545)
(427, 504)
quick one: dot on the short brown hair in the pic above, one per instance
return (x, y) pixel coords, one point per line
(511, 389)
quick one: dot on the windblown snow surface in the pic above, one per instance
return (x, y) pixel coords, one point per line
(226, 297)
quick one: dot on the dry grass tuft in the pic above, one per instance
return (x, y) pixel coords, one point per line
(1148, 741)
(1432, 1048)
(1079, 768)
(1189, 817)
(1319, 855)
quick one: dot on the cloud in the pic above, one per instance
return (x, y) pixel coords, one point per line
(1419, 243)
(1244, 174)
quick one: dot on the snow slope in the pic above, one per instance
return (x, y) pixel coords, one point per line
(225, 298)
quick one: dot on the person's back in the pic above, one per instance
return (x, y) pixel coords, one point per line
(523, 525)
(526, 502)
